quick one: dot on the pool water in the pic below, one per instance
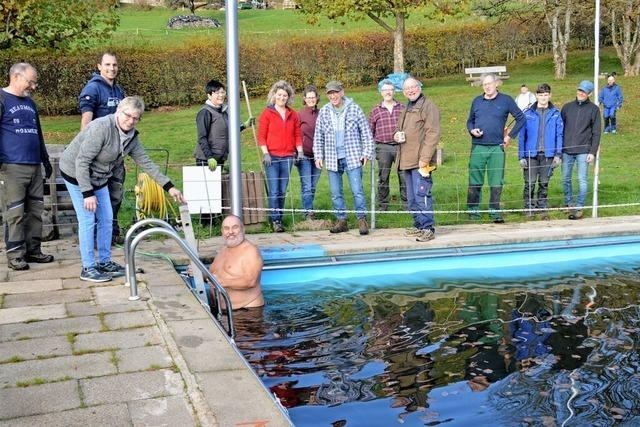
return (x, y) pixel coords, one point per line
(562, 350)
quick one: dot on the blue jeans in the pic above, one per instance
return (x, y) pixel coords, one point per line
(568, 161)
(277, 181)
(309, 176)
(419, 199)
(102, 218)
(337, 194)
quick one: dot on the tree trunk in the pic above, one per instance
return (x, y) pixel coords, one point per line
(398, 44)
(559, 36)
(626, 37)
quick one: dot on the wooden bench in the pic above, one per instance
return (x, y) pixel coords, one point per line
(474, 74)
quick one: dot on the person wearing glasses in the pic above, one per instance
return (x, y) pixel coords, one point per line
(212, 124)
(86, 166)
(98, 98)
(309, 173)
(383, 120)
(22, 152)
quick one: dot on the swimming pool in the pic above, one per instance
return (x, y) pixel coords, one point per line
(531, 334)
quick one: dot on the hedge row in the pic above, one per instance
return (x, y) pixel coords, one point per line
(176, 76)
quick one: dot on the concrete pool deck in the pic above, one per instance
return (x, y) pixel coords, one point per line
(79, 353)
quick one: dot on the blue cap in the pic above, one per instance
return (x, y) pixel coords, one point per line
(586, 86)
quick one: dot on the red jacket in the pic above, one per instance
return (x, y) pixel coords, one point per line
(281, 137)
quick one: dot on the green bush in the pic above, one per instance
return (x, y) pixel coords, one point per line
(176, 76)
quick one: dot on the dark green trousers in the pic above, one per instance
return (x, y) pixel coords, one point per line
(22, 203)
(489, 160)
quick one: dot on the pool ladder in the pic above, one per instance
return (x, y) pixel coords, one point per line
(162, 227)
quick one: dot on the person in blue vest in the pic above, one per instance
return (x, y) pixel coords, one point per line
(99, 98)
(610, 99)
(22, 152)
(540, 149)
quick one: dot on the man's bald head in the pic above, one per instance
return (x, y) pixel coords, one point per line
(232, 231)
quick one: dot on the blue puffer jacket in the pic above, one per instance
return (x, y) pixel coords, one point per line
(611, 96)
(553, 133)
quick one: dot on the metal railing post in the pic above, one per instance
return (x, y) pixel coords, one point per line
(219, 290)
(129, 237)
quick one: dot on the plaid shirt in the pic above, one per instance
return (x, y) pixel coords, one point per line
(358, 141)
(383, 123)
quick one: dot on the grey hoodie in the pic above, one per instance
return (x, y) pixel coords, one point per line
(90, 158)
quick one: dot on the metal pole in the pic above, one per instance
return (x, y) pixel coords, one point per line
(373, 194)
(596, 76)
(233, 93)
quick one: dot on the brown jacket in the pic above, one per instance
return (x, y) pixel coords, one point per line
(421, 125)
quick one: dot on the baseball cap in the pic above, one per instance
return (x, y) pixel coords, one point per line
(586, 86)
(334, 86)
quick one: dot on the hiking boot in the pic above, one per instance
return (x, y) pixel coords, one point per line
(18, 264)
(92, 274)
(577, 214)
(310, 216)
(339, 227)
(363, 227)
(111, 268)
(425, 235)
(40, 258)
(498, 220)
(277, 227)
(412, 232)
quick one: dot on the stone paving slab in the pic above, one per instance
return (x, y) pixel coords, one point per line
(133, 319)
(228, 392)
(176, 304)
(47, 271)
(34, 348)
(57, 368)
(126, 338)
(28, 314)
(38, 399)
(129, 387)
(143, 358)
(45, 298)
(115, 294)
(169, 411)
(209, 356)
(103, 415)
(19, 287)
(89, 308)
(75, 325)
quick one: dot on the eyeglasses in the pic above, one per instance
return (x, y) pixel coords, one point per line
(411, 87)
(32, 83)
(220, 92)
(132, 117)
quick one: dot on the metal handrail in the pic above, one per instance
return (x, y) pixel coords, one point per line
(129, 237)
(130, 261)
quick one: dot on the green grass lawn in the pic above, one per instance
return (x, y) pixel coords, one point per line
(139, 26)
(619, 174)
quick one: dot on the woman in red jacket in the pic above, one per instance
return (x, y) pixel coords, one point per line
(279, 138)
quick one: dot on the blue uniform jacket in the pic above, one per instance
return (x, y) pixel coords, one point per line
(553, 133)
(611, 96)
(99, 97)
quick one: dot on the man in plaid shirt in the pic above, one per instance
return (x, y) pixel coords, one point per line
(383, 120)
(343, 143)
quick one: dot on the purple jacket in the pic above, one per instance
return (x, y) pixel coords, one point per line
(308, 117)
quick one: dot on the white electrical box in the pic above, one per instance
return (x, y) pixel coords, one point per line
(202, 189)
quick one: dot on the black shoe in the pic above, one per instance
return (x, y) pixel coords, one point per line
(577, 214)
(277, 227)
(498, 220)
(111, 268)
(40, 258)
(18, 264)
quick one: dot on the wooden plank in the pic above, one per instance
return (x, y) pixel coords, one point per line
(252, 198)
(482, 70)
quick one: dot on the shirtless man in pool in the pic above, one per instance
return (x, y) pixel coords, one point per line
(238, 266)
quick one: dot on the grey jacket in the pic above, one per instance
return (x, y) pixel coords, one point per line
(90, 158)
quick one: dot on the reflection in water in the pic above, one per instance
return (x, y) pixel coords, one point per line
(534, 354)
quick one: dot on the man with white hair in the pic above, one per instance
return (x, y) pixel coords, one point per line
(383, 120)
(418, 133)
(22, 152)
(238, 266)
